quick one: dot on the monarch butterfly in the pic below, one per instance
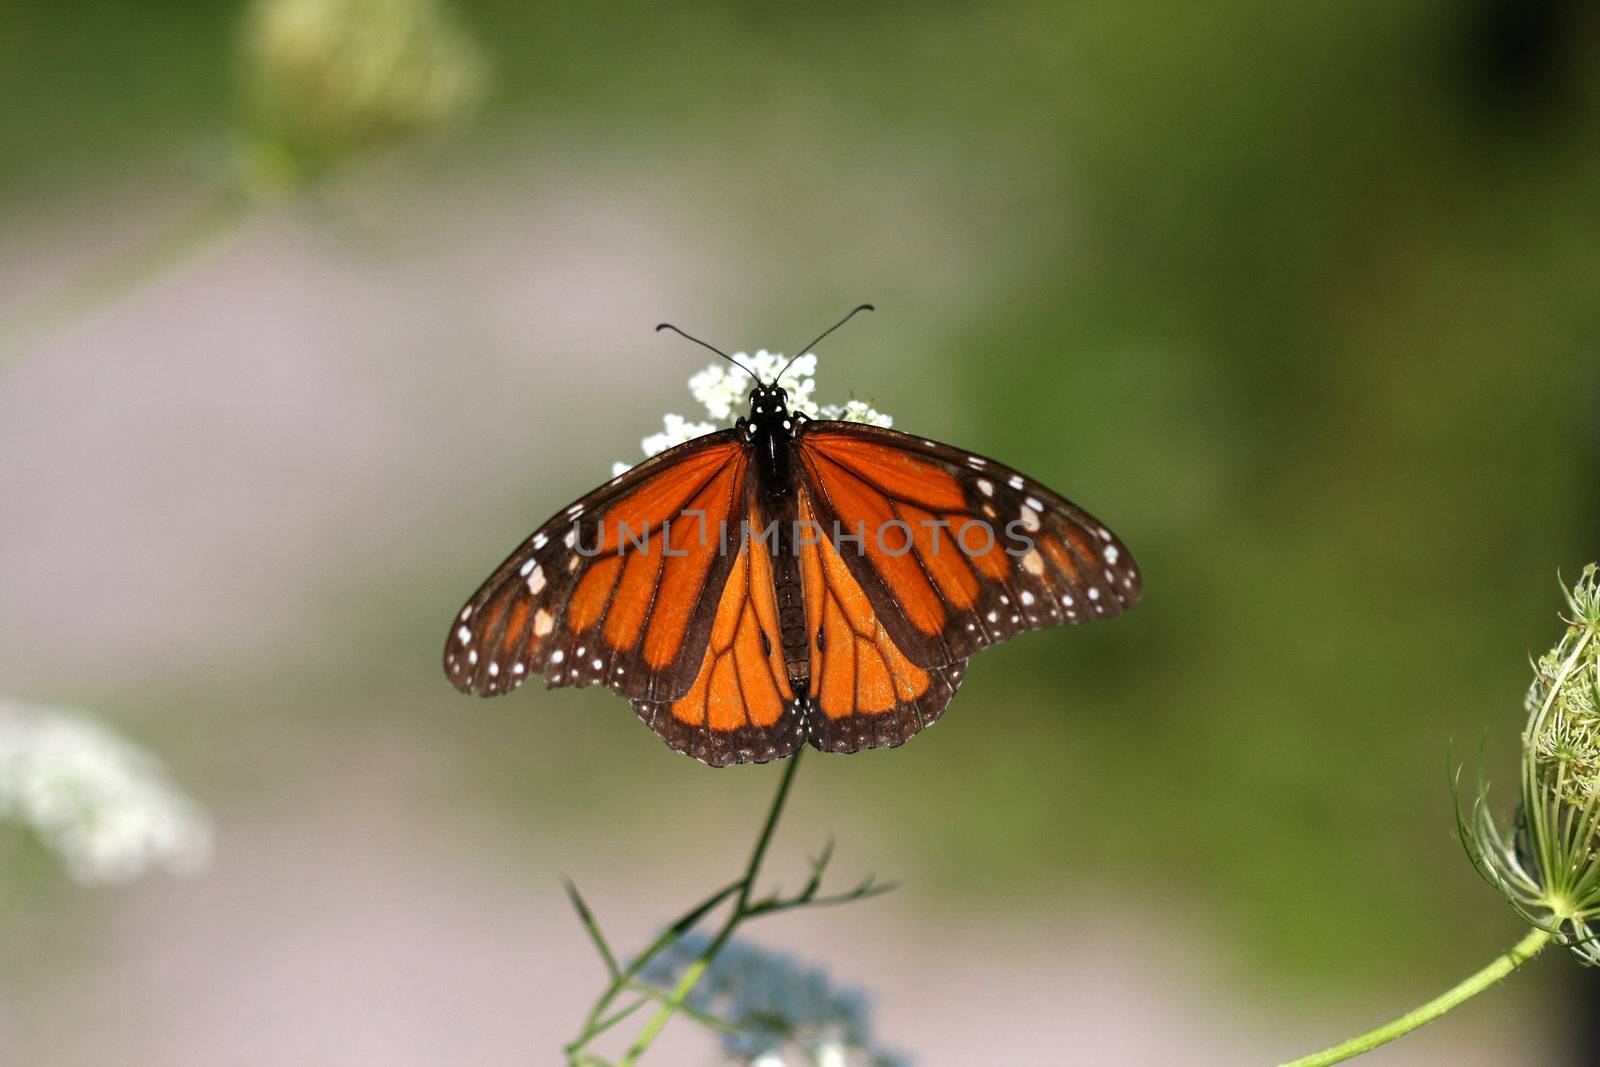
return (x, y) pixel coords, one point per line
(788, 580)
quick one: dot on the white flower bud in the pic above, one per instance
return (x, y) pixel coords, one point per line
(328, 79)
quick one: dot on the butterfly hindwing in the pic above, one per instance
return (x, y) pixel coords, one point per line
(865, 692)
(620, 588)
(955, 551)
(741, 707)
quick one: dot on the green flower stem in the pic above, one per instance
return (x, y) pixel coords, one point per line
(742, 910)
(1521, 953)
(124, 273)
(622, 981)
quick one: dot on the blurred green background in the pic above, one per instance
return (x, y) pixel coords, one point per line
(1300, 299)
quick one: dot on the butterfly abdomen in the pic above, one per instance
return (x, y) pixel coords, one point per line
(778, 506)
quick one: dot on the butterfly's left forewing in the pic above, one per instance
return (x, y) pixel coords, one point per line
(955, 551)
(620, 588)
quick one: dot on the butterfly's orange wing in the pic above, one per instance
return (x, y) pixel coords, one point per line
(620, 588)
(742, 707)
(864, 691)
(959, 552)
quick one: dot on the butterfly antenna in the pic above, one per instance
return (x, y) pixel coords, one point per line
(714, 348)
(802, 351)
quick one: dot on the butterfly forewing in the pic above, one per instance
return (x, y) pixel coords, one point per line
(620, 588)
(955, 551)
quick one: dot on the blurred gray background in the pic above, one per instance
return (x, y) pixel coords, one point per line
(1300, 300)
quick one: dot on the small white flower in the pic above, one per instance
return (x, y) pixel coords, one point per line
(719, 388)
(830, 1055)
(769, 1059)
(676, 431)
(856, 411)
(723, 391)
(103, 805)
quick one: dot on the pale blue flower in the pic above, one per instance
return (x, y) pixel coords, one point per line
(784, 1012)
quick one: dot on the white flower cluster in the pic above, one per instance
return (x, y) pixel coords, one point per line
(722, 389)
(778, 1010)
(828, 1055)
(326, 79)
(103, 805)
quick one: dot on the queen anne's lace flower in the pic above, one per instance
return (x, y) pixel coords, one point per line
(103, 805)
(1546, 862)
(855, 411)
(327, 79)
(780, 1011)
(722, 390)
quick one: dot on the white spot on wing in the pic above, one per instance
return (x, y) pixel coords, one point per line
(1030, 518)
(557, 656)
(463, 635)
(1015, 481)
(986, 487)
(1033, 563)
(536, 580)
(543, 623)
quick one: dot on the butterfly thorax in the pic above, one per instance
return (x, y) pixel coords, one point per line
(768, 429)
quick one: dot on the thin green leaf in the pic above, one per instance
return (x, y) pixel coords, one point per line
(589, 924)
(722, 1026)
(684, 924)
(818, 867)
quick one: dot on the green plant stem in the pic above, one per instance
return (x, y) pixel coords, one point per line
(1519, 954)
(122, 274)
(741, 911)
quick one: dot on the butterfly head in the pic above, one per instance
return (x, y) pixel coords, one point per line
(769, 412)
